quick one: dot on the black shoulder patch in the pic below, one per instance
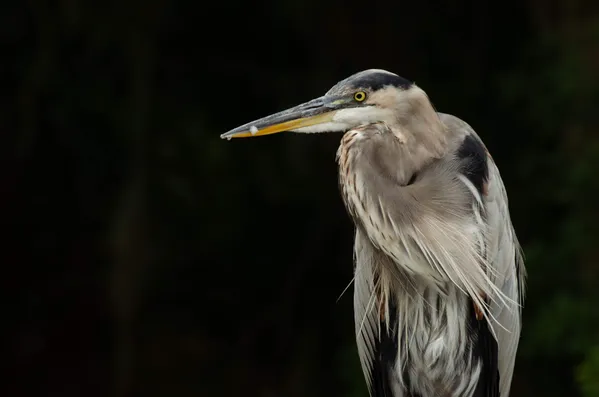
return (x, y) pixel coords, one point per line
(377, 80)
(484, 348)
(475, 167)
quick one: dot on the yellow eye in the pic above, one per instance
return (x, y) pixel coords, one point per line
(360, 96)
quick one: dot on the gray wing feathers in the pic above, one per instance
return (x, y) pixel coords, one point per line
(365, 309)
(504, 255)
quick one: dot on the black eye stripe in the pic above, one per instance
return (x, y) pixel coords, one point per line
(377, 81)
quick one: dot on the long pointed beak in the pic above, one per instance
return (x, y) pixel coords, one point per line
(317, 111)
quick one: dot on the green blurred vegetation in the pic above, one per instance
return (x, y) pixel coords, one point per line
(145, 256)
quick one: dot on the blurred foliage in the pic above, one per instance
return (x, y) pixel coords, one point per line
(588, 374)
(148, 257)
(560, 91)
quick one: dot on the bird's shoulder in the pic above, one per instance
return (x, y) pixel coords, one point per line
(468, 149)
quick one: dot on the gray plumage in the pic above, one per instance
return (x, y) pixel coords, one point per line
(439, 278)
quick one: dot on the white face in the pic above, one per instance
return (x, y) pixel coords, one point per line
(346, 119)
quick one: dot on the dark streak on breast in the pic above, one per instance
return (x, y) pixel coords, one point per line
(412, 179)
(484, 349)
(385, 355)
(474, 166)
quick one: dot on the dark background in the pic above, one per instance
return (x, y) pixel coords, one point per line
(144, 256)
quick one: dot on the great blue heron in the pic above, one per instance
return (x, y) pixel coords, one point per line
(439, 276)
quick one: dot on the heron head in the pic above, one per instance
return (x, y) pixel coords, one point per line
(367, 97)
